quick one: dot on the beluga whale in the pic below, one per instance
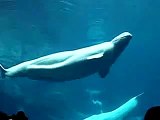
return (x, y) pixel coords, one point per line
(72, 64)
(120, 113)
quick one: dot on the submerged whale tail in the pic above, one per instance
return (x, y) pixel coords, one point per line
(2, 71)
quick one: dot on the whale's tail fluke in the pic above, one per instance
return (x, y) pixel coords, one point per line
(2, 71)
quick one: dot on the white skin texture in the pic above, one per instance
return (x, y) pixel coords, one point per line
(119, 113)
(71, 65)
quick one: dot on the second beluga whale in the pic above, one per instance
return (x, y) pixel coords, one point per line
(72, 65)
(120, 113)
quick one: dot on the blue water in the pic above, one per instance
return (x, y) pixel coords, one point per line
(33, 28)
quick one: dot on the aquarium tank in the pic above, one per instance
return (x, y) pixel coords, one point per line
(63, 29)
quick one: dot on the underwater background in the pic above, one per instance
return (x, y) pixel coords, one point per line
(34, 28)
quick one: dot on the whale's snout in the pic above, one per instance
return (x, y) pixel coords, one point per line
(124, 37)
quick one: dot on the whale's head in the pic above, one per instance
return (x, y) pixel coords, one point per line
(120, 42)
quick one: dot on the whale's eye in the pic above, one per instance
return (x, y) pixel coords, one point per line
(123, 37)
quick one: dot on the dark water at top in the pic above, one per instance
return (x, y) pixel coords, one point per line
(33, 28)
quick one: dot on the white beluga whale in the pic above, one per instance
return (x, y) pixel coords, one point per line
(119, 113)
(73, 64)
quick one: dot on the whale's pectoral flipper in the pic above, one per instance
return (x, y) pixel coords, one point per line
(104, 71)
(2, 71)
(100, 55)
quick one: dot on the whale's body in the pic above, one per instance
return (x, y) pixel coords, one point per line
(119, 113)
(70, 65)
